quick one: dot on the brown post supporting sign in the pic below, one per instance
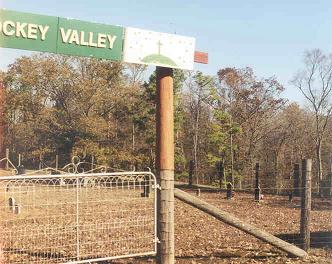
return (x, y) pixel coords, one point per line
(165, 166)
(306, 203)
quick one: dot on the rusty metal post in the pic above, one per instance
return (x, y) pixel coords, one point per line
(165, 166)
(306, 203)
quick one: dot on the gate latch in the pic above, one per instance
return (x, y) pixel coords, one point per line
(156, 186)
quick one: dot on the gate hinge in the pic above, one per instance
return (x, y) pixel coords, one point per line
(156, 240)
(156, 186)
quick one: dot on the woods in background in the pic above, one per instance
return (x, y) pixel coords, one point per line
(87, 107)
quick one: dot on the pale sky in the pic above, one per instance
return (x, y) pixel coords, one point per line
(269, 36)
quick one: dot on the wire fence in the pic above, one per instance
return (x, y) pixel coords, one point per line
(277, 212)
(77, 218)
(90, 216)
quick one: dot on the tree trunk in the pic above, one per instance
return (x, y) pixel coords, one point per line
(133, 136)
(296, 180)
(319, 164)
(232, 160)
(196, 141)
(257, 185)
(196, 132)
(276, 176)
(195, 158)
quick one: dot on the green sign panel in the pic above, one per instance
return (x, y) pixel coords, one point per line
(82, 38)
(28, 31)
(59, 35)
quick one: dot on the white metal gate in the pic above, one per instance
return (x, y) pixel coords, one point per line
(77, 218)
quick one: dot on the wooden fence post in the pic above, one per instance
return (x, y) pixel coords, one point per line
(40, 161)
(257, 187)
(92, 162)
(296, 183)
(56, 161)
(165, 166)
(306, 203)
(229, 192)
(191, 172)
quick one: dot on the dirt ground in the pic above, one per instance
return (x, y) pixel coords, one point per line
(200, 238)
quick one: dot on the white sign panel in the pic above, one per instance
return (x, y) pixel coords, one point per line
(160, 49)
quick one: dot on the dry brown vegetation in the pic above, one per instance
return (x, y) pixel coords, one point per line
(199, 237)
(202, 239)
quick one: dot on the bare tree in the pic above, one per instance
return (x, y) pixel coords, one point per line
(199, 86)
(315, 83)
(251, 104)
(135, 75)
